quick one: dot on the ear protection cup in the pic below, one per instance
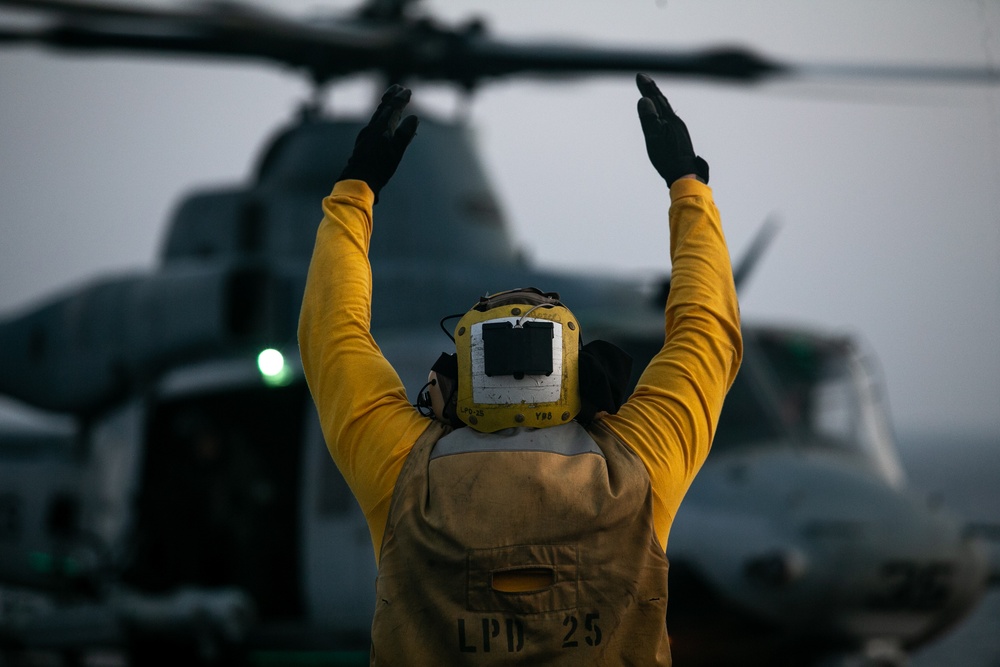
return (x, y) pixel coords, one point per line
(442, 389)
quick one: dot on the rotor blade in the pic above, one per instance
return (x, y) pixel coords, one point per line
(404, 48)
(194, 40)
(68, 8)
(13, 36)
(414, 49)
(761, 240)
(901, 73)
(733, 64)
(384, 9)
(219, 19)
(497, 59)
(324, 50)
(206, 10)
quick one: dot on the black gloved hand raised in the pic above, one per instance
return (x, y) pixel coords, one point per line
(380, 144)
(667, 140)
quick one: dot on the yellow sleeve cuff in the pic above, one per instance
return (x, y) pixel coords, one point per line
(688, 187)
(356, 189)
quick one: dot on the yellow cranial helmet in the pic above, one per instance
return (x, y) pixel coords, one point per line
(518, 362)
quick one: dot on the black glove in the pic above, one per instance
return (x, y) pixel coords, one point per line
(380, 144)
(667, 140)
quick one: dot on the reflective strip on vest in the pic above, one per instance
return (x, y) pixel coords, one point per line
(568, 440)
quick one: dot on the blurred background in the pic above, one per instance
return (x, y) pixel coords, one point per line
(887, 195)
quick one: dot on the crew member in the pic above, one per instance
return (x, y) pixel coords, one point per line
(510, 526)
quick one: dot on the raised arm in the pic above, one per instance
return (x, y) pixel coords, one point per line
(671, 417)
(368, 423)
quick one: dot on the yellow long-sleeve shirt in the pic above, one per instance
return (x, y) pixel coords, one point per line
(669, 421)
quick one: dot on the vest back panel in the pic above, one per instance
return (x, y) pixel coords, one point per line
(570, 508)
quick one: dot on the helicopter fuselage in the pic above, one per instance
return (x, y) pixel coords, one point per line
(190, 482)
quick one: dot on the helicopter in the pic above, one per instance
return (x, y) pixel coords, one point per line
(192, 493)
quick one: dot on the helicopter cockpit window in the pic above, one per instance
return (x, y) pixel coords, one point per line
(746, 419)
(815, 390)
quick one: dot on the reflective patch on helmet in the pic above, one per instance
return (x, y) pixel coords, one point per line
(506, 389)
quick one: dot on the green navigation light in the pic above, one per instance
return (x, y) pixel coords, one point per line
(270, 362)
(273, 368)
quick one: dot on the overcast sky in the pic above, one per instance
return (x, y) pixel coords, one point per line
(888, 196)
